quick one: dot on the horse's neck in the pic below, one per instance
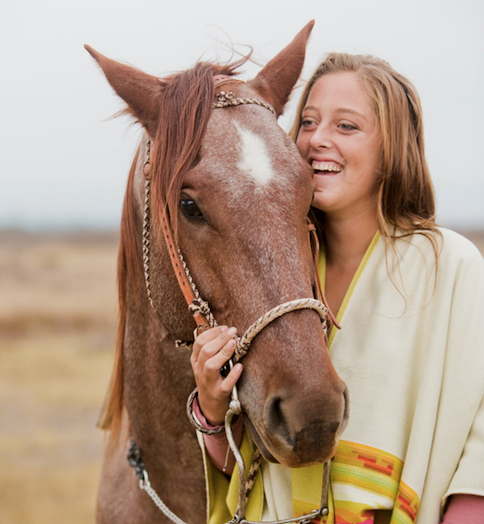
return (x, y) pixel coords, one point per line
(158, 380)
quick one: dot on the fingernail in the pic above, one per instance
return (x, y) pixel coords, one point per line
(232, 331)
(224, 328)
(231, 344)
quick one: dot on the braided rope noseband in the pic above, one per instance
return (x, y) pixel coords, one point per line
(204, 318)
(226, 99)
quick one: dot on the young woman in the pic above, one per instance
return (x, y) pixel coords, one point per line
(410, 299)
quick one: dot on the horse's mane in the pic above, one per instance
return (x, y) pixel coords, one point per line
(185, 108)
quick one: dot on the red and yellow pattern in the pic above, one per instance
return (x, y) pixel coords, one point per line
(365, 484)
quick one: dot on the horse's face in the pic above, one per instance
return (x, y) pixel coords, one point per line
(248, 252)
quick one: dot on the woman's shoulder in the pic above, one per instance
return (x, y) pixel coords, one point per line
(458, 241)
(459, 251)
(449, 245)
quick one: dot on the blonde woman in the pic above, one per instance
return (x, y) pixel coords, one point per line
(410, 299)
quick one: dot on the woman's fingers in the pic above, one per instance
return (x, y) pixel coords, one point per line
(215, 361)
(231, 379)
(211, 350)
(214, 396)
(205, 338)
(213, 344)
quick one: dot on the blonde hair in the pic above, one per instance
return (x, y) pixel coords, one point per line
(405, 190)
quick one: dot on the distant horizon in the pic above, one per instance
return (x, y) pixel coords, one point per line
(88, 227)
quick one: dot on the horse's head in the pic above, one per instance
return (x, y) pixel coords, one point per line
(238, 195)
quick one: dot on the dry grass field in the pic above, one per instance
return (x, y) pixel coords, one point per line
(57, 317)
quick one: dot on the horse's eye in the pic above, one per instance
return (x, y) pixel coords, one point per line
(190, 209)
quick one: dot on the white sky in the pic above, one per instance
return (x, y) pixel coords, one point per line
(63, 163)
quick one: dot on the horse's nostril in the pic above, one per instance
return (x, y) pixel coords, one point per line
(275, 412)
(276, 420)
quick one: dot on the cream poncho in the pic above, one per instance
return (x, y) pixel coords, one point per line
(411, 350)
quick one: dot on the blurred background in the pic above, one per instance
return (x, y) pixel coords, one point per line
(63, 170)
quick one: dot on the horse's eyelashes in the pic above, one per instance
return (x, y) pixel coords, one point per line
(190, 209)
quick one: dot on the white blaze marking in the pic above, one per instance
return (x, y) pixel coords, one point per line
(255, 159)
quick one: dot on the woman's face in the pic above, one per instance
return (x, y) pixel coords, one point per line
(340, 138)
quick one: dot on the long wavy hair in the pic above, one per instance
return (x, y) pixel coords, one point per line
(406, 202)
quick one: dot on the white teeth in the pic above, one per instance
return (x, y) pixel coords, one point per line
(323, 166)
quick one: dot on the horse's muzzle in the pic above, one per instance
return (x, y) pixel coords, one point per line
(302, 430)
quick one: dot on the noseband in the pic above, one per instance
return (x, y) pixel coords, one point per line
(204, 320)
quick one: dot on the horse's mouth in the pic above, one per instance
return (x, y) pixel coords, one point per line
(258, 441)
(292, 462)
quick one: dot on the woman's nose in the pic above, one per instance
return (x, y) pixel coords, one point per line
(321, 138)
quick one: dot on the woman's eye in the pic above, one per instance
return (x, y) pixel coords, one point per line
(306, 123)
(347, 127)
(190, 209)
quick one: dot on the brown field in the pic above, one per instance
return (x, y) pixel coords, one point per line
(57, 318)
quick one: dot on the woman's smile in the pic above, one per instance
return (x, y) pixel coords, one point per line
(326, 167)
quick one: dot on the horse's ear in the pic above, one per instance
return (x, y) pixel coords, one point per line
(277, 79)
(140, 91)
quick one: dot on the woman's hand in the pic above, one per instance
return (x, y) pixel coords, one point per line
(211, 350)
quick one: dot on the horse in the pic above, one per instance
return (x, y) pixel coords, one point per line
(236, 194)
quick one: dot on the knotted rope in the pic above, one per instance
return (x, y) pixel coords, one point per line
(226, 99)
(146, 223)
(243, 342)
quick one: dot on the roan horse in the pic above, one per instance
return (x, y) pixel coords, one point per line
(237, 194)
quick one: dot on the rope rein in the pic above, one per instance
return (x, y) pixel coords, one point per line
(146, 223)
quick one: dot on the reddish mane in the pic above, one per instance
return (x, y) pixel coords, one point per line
(186, 106)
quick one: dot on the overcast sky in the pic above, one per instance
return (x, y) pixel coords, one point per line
(63, 163)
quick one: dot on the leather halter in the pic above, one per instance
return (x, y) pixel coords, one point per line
(178, 267)
(200, 312)
(192, 301)
(199, 308)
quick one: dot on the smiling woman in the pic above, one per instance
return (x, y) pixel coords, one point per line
(360, 128)
(340, 138)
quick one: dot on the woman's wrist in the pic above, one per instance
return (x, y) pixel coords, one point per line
(214, 414)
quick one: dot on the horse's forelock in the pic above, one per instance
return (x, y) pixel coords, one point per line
(186, 107)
